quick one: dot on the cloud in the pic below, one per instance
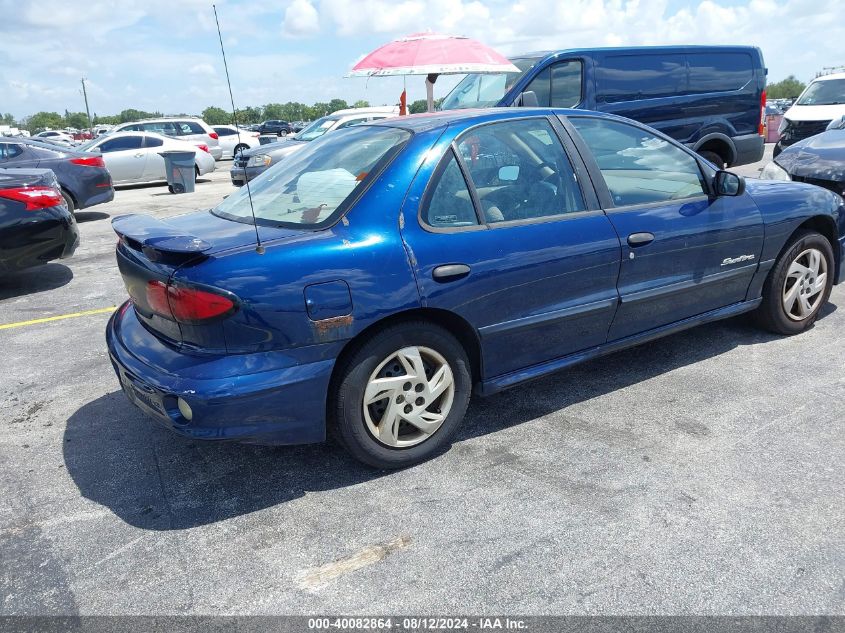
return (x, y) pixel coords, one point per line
(301, 18)
(202, 69)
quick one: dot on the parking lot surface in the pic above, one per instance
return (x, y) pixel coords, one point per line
(703, 473)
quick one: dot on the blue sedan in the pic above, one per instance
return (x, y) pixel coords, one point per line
(372, 281)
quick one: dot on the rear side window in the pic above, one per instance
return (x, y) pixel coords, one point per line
(637, 166)
(450, 204)
(719, 72)
(121, 143)
(224, 131)
(151, 141)
(633, 77)
(9, 151)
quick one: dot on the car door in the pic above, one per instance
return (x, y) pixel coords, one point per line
(154, 165)
(685, 251)
(505, 231)
(125, 158)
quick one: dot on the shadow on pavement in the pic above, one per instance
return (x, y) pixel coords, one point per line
(32, 280)
(156, 480)
(90, 216)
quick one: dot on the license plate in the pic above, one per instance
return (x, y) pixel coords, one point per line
(139, 396)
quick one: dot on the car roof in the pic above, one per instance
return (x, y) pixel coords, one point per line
(829, 77)
(433, 120)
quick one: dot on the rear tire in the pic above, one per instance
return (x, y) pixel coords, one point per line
(238, 149)
(416, 376)
(798, 285)
(68, 201)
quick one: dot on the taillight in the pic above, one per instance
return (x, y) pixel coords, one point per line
(214, 135)
(185, 304)
(34, 198)
(761, 129)
(203, 147)
(89, 161)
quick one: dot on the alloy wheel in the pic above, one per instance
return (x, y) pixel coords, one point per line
(408, 396)
(803, 288)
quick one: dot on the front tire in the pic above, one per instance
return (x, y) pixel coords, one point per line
(798, 286)
(401, 396)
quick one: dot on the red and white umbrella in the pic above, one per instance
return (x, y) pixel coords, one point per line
(432, 54)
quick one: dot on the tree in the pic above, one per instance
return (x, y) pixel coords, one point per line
(78, 120)
(216, 116)
(421, 105)
(361, 103)
(8, 119)
(337, 104)
(788, 88)
(45, 120)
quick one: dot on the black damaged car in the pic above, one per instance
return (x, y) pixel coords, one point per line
(818, 160)
(36, 225)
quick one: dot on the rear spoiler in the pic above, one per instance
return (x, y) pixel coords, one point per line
(156, 238)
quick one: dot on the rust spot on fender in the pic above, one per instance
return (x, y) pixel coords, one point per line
(332, 329)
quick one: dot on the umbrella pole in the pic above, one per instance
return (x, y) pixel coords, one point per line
(429, 91)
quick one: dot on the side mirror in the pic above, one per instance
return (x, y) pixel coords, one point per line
(509, 173)
(527, 99)
(729, 184)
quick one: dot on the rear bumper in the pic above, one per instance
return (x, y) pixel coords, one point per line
(749, 149)
(284, 403)
(840, 274)
(216, 152)
(97, 196)
(56, 238)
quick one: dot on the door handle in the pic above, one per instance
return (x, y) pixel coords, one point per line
(640, 239)
(139, 155)
(450, 272)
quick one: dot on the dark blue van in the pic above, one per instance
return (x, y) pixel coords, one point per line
(710, 98)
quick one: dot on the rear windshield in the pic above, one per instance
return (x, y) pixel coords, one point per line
(312, 187)
(482, 90)
(830, 92)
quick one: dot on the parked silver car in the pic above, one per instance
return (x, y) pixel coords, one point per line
(133, 157)
(234, 141)
(188, 129)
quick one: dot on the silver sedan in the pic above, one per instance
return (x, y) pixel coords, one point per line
(133, 157)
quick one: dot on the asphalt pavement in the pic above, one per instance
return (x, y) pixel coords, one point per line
(703, 473)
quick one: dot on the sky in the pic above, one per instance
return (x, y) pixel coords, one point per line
(160, 55)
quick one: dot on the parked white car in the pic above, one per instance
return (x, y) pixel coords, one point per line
(55, 136)
(189, 129)
(231, 143)
(133, 157)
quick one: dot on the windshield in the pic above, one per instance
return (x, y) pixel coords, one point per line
(483, 91)
(316, 129)
(310, 187)
(84, 147)
(830, 92)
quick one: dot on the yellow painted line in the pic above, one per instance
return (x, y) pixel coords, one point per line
(72, 315)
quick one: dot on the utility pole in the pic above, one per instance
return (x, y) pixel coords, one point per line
(87, 111)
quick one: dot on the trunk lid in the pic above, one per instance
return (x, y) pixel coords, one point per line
(151, 250)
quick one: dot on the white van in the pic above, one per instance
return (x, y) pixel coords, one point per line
(821, 102)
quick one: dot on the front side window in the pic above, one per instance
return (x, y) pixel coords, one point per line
(450, 204)
(558, 86)
(637, 166)
(313, 186)
(830, 92)
(520, 171)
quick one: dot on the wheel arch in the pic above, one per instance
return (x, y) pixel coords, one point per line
(718, 143)
(825, 225)
(70, 195)
(456, 325)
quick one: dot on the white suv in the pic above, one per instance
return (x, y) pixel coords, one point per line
(189, 129)
(822, 102)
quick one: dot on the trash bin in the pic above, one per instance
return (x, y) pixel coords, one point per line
(180, 167)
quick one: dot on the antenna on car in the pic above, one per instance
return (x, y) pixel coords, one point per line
(258, 247)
